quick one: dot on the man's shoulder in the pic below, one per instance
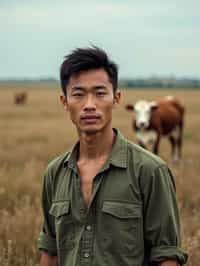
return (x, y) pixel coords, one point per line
(57, 163)
(141, 157)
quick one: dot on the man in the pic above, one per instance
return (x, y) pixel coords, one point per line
(108, 202)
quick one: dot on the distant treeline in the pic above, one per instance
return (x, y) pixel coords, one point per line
(127, 83)
(30, 83)
(160, 83)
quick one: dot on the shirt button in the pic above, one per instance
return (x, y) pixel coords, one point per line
(86, 255)
(88, 227)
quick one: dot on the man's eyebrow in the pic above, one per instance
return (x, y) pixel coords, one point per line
(100, 87)
(77, 88)
(80, 88)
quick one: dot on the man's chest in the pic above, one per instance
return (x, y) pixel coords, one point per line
(114, 213)
(112, 184)
(87, 174)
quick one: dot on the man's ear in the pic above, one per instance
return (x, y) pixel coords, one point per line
(117, 97)
(63, 99)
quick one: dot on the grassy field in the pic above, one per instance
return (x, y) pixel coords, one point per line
(33, 134)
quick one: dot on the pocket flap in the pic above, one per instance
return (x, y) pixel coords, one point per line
(59, 208)
(122, 209)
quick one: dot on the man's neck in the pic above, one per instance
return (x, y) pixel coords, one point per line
(96, 146)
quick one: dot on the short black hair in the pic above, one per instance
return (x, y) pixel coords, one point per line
(84, 59)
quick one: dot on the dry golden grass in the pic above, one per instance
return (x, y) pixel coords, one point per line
(33, 134)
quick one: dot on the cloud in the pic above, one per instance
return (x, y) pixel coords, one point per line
(50, 15)
(139, 16)
(150, 34)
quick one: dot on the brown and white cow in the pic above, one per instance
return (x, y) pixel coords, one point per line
(152, 120)
(20, 98)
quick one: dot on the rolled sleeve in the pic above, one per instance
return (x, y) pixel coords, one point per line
(162, 225)
(47, 243)
(163, 253)
(47, 237)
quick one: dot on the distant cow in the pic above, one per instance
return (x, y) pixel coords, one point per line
(20, 97)
(153, 120)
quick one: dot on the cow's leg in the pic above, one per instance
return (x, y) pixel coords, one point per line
(179, 141)
(176, 142)
(142, 144)
(173, 147)
(156, 144)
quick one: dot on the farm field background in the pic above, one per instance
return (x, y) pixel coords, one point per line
(33, 134)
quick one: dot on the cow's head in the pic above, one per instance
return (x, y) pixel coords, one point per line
(142, 110)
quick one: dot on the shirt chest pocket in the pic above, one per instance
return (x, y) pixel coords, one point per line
(64, 225)
(122, 224)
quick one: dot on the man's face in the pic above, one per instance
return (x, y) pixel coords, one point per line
(90, 101)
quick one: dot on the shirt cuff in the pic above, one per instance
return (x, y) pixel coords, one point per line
(47, 243)
(163, 253)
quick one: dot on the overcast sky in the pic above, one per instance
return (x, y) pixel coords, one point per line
(145, 38)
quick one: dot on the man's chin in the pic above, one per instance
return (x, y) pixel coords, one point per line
(90, 130)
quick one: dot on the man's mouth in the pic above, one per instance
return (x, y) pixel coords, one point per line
(90, 119)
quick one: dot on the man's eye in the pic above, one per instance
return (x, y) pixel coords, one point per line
(77, 94)
(101, 93)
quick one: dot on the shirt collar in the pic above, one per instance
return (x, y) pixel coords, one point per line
(118, 155)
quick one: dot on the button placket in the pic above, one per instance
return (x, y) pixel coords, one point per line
(86, 249)
(87, 240)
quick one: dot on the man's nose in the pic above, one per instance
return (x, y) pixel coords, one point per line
(90, 103)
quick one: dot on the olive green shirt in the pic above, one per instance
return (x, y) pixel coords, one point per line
(132, 218)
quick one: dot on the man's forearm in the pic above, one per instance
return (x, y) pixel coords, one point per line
(48, 260)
